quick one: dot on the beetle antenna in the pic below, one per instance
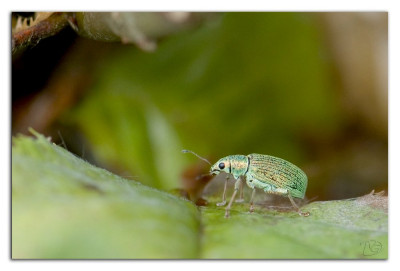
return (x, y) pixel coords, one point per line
(204, 159)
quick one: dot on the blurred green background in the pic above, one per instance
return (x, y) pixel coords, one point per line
(307, 87)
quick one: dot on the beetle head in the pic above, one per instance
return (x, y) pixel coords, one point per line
(223, 165)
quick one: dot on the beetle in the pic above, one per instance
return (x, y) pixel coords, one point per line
(271, 174)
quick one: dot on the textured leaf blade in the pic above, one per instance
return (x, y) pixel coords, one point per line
(346, 229)
(63, 207)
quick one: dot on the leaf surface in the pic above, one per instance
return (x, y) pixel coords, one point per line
(343, 229)
(63, 207)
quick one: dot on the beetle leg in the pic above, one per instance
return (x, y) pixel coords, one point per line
(237, 184)
(240, 199)
(252, 200)
(284, 192)
(297, 207)
(224, 194)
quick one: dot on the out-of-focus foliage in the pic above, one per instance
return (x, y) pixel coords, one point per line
(140, 28)
(63, 207)
(249, 82)
(28, 32)
(358, 42)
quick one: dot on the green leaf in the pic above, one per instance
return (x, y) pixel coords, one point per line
(63, 207)
(344, 229)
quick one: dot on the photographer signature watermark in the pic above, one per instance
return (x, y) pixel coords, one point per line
(371, 247)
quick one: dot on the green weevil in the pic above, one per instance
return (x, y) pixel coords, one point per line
(271, 174)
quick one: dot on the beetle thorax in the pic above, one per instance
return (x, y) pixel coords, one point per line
(239, 165)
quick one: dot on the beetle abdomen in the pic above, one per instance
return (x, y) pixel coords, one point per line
(278, 173)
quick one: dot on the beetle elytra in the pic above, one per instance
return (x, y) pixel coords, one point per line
(271, 174)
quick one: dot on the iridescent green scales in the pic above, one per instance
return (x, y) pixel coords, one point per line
(277, 173)
(271, 174)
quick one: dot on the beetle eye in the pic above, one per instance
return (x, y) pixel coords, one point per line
(221, 165)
